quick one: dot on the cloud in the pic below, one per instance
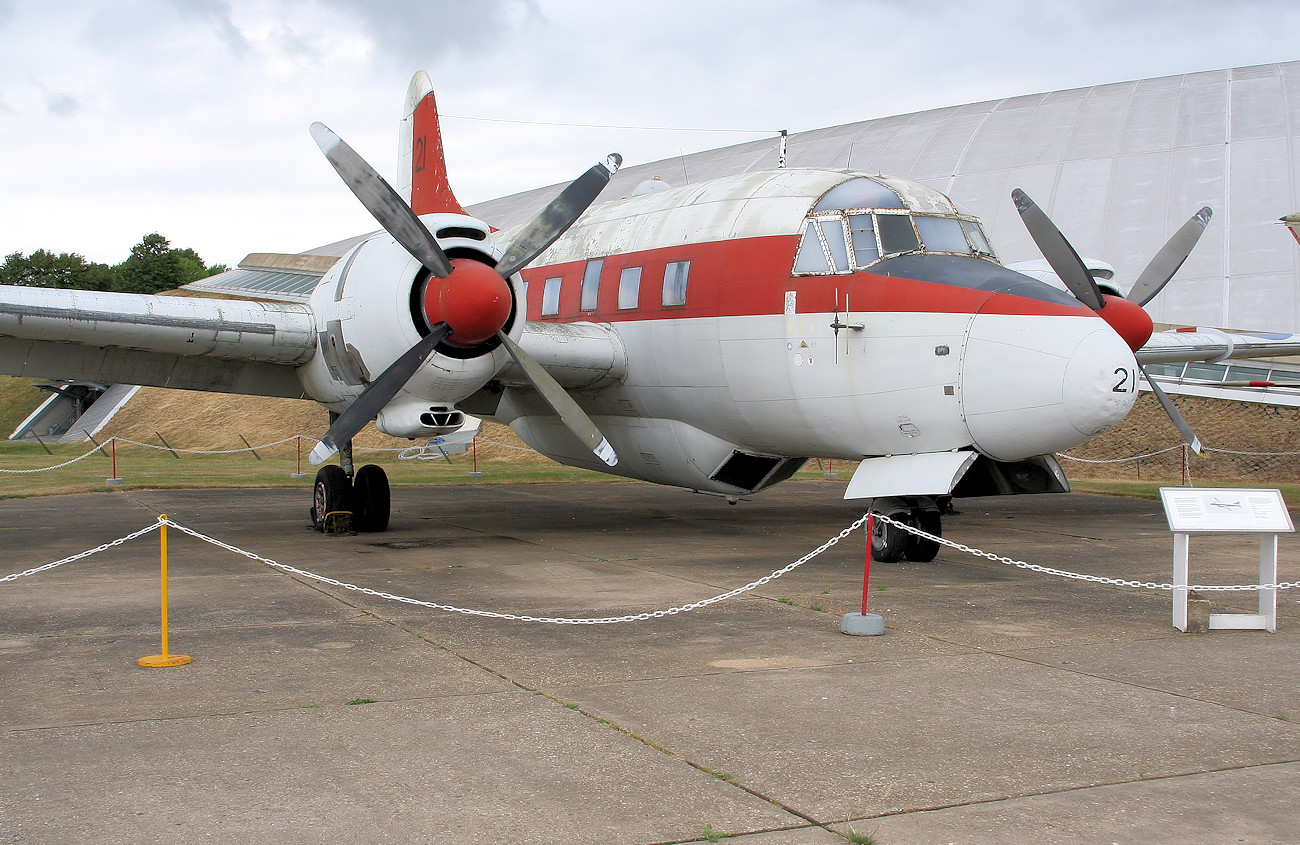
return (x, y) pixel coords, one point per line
(218, 14)
(415, 33)
(62, 105)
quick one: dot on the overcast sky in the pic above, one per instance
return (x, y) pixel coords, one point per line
(189, 117)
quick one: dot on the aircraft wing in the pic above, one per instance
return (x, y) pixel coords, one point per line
(222, 345)
(1213, 345)
(276, 277)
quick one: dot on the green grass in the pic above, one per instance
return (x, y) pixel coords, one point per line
(1151, 489)
(141, 467)
(860, 838)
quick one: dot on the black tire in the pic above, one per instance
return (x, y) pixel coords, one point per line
(331, 492)
(920, 549)
(370, 499)
(888, 542)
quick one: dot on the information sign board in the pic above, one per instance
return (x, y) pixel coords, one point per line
(1196, 510)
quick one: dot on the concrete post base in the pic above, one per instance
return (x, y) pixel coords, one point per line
(863, 624)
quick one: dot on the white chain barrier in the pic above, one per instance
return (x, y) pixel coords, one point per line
(424, 452)
(47, 469)
(211, 451)
(1204, 448)
(1096, 579)
(656, 614)
(554, 620)
(1122, 460)
(119, 541)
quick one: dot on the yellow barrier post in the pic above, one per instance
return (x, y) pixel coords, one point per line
(158, 661)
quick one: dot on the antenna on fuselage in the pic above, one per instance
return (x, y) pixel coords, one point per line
(780, 159)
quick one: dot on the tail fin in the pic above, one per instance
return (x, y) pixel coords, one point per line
(1293, 223)
(421, 167)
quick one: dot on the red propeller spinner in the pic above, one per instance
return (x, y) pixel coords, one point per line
(474, 300)
(1129, 320)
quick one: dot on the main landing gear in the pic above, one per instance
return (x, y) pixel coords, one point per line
(344, 501)
(890, 544)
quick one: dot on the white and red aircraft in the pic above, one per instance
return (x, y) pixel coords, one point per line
(714, 336)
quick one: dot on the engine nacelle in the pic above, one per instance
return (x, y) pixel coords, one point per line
(369, 310)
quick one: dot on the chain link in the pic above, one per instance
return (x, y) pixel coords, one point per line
(47, 469)
(554, 620)
(656, 614)
(119, 541)
(212, 451)
(1096, 579)
(1120, 460)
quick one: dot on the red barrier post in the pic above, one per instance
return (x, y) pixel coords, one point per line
(473, 445)
(866, 567)
(116, 479)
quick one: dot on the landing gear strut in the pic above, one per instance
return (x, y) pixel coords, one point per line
(345, 501)
(890, 543)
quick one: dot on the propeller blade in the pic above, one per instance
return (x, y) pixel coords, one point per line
(382, 201)
(1062, 258)
(558, 216)
(380, 392)
(573, 417)
(1170, 257)
(1179, 422)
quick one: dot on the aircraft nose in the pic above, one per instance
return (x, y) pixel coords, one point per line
(1100, 383)
(1037, 385)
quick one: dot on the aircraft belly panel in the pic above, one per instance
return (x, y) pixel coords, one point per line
(661, 451)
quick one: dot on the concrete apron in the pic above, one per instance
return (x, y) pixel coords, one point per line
(1001, 706)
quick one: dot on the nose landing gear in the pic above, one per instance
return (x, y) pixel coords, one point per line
(890, 543)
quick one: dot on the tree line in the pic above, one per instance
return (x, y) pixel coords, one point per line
(154, 265)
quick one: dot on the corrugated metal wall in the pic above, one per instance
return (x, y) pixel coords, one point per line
(1119, 167)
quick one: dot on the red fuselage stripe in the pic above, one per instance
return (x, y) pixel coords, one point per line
(750, 277)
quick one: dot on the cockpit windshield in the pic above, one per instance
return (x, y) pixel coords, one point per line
(869, 218)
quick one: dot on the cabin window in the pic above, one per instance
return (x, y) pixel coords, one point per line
(897, 234)
(551, 297)
(942, 234)
(591, 284)
(629, 287)
(675, 282)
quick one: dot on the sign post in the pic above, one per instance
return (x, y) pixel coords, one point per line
(1227, 511)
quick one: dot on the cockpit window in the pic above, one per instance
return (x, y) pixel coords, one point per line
(859, 193)
(812, 255)
(975, 235)
(862, 229)
(866, 219)
(942, 234)
(896, 234)
(833, 231)
(824, 248)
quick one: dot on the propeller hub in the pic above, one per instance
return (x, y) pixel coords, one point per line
(474, 300)
(1128, 319)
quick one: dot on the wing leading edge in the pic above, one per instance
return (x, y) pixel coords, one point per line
(227, 346)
